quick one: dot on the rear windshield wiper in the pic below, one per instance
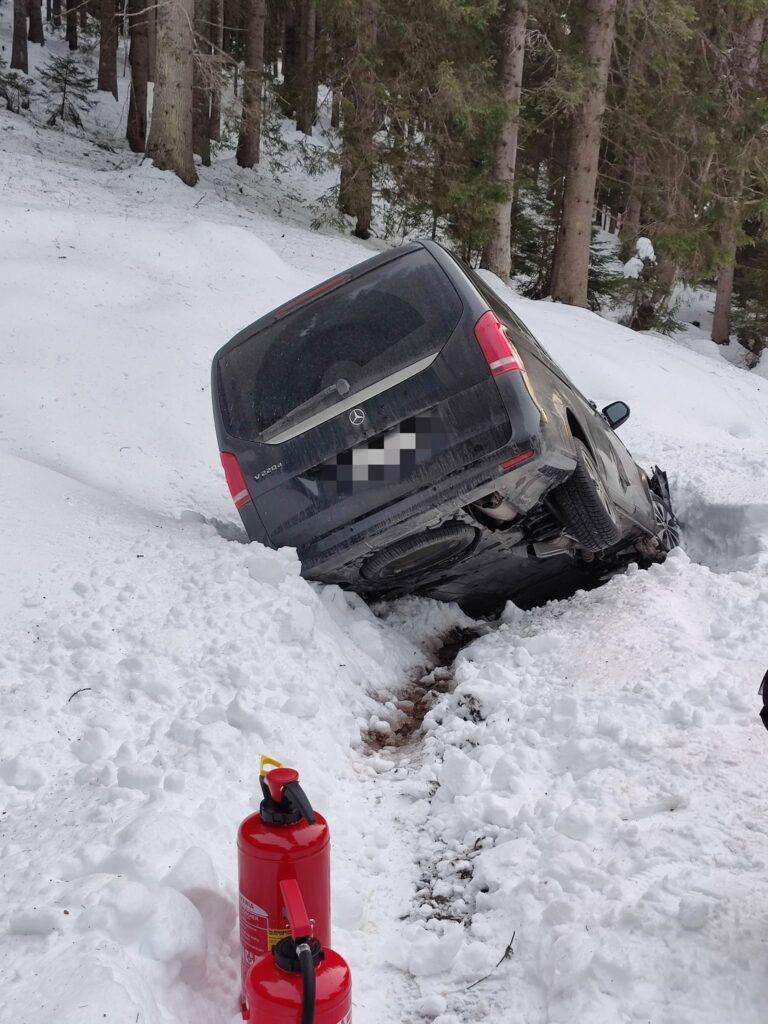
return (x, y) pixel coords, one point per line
(339, 387)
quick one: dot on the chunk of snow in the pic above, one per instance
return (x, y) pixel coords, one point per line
(22, 773)
(644, 249)
(431, 953)
(693, 912)
(431, 1006)
(459, 773)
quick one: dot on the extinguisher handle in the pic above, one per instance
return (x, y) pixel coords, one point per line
(296, 796)
(295, 909)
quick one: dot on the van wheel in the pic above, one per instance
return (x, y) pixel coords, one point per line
(667, 526)
(432, 549)
(584, 507)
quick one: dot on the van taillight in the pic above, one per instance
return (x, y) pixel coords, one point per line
(235, 480)
(498, 350)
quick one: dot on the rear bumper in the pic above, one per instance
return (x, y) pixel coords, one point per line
(336, 558)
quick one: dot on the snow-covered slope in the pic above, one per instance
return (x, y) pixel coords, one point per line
(592, 780)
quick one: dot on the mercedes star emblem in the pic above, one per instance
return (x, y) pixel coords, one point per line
(356, 417)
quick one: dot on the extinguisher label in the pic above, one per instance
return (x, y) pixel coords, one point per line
(275, 934)
(254, 929)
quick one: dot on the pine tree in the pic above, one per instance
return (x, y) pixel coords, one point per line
(69, 87)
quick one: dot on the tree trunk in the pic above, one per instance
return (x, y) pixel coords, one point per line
(569, 279)
(151, 41)
(358, 124)
(56, 13)
(273, 34)
(72, 24)
(232, 21)
(514, 18)
(170, 135)
(306, 85)
(19, 45)
(291, 58)
(36, 22)
(136, 131)
(217, 45)
(201, 93)
(336, 108)
(729, 233)
(747, 58)
(83, 15)
(108, 47)
(630, 225)
(250, 131)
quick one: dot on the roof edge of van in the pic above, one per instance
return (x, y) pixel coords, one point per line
(318, 290)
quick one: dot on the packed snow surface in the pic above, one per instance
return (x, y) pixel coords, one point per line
(591, 780)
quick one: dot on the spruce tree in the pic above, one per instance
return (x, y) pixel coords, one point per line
(69, 88)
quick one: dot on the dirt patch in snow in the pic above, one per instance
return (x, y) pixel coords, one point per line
(402, 718)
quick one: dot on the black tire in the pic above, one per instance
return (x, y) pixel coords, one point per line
(584, 507)
(410, 557)
(667, 526)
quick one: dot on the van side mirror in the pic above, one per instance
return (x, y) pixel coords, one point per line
(616, 413)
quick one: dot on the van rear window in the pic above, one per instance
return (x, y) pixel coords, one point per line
(338, 345)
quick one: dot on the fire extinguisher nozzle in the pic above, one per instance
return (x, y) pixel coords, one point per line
(307, 963)
(300, 801)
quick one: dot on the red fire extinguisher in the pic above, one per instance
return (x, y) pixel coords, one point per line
(299, 982)
(285, 840)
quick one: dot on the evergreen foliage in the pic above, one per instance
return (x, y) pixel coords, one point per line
(16, 89)
(750, 312)
(418, 114)
(69, 88)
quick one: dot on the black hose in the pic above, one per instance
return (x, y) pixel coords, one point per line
(307, 965)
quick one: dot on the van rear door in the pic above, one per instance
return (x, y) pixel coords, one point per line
(367, 394)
